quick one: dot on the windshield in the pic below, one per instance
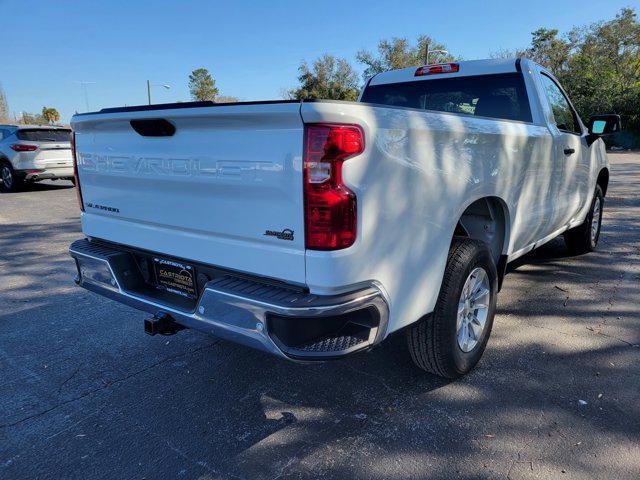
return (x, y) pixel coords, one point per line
(44, 135)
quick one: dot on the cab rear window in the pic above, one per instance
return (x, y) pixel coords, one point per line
(44, 135)
(502, 96)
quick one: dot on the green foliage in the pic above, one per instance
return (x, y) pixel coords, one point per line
(328, 78)
(50, 115)
(598, 65)
(548, 50)
(202, 86)
(603, 74)
(226, 99)
(397, 53)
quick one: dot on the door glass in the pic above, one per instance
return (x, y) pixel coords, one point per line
(562, 112)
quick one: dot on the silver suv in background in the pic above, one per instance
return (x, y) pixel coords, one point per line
(32, 153)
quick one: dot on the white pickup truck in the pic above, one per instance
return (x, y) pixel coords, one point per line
(316, 229)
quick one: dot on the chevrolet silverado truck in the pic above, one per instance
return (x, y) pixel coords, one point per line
(316, 229)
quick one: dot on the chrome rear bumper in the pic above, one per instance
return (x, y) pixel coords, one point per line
(267, 317)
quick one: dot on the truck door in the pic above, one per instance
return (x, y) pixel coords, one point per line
(571, 165)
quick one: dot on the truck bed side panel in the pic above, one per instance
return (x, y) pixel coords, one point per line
(418, 173)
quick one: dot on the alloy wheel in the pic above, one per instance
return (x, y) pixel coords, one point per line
(595, 220)
(7, 178)
(473, 309)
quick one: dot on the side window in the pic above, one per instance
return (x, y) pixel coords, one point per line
(563, 114)
(3, 134)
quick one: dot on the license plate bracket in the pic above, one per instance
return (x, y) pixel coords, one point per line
(176, 277)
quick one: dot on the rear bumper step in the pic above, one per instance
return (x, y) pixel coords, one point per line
(288, 322)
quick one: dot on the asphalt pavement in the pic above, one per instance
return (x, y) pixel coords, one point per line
(84, 393)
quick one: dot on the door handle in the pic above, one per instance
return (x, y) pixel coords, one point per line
(569, 151)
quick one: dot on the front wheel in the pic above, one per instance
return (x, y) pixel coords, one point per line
(450, 341)
(584, 238)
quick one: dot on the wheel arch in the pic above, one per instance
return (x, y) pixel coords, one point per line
(603, 180)
(488, 219)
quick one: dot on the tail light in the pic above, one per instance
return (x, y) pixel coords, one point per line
(75, 171)
(20, 147)
(330, 213)
(438, 68)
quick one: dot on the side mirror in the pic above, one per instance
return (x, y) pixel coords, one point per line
(601, 125)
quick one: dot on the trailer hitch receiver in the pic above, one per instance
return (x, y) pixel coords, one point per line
(161, 324)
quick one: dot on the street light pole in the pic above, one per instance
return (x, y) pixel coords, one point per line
(154, 85)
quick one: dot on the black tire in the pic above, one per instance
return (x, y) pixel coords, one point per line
(579, 239)
(73, 180)
(432, 341)
(12, 182)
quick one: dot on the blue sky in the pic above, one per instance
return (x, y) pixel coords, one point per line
(253, 49)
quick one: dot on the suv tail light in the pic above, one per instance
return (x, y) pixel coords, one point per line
(75, 171)
(437, 68)
(20, 147)
(330, 214)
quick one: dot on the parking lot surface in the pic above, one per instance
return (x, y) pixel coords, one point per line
(86, 394)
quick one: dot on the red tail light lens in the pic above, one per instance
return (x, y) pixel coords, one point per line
(19, 147)
(438, 68)
(330, 211)
(75, 171)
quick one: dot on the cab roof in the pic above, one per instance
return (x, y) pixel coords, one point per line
(466, 68)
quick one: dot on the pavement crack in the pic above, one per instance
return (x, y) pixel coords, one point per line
(73, 374)
(107, 385)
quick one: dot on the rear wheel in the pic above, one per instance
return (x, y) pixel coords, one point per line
(584, 238)
(9, 181)
(451, 340)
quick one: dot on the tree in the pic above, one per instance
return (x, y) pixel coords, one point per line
(202, 86)
(50, 115)
(32, 119)
(599, 67)
(328, 78)
(549, 50)
(399, 53)
(504, 53)
(4, 107)
(226, 99)
(603, 72)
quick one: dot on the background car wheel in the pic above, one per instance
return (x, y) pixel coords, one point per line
(584, 237)
(450, 341)
(9, 181)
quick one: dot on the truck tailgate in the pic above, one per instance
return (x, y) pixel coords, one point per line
(225, 189)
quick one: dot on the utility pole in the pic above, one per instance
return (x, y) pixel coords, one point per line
(83, 86)
(149, 91)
